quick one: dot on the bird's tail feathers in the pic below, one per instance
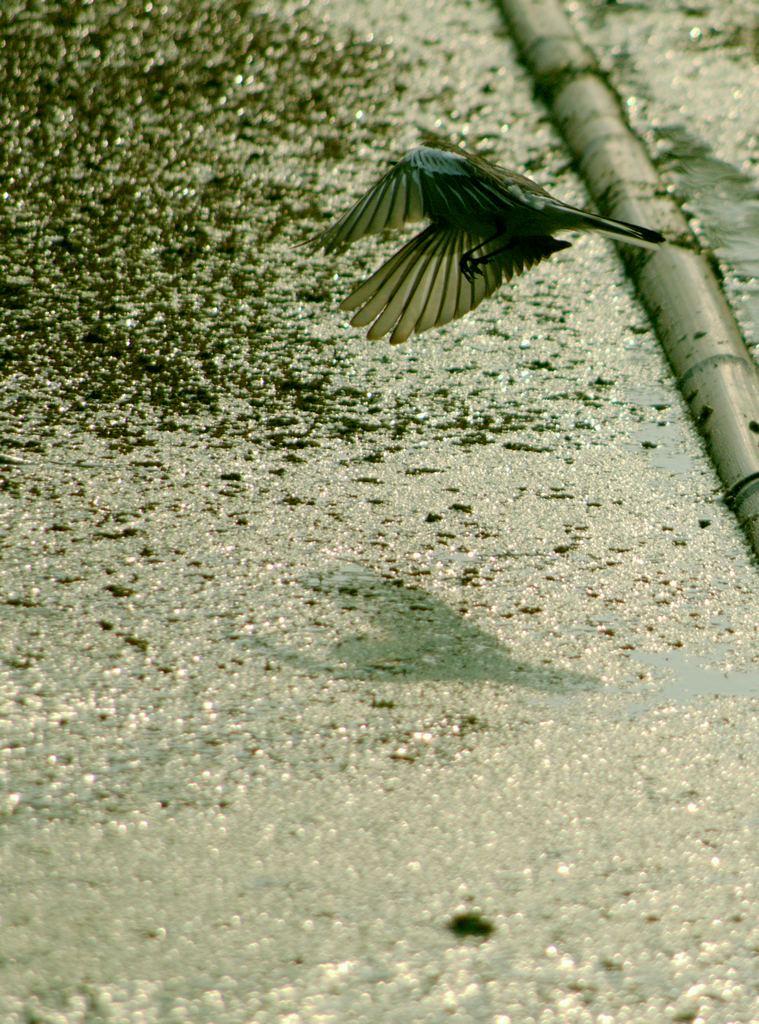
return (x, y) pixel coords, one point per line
(620, 230)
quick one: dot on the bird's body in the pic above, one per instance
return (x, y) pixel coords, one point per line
(487, 224)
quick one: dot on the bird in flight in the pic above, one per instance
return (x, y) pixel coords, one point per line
(487, 224)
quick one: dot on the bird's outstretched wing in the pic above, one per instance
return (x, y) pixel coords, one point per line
(422, 285)
(442, 183)
(431, 184)
(396, 199)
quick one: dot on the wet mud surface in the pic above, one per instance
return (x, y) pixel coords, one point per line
(313, 646)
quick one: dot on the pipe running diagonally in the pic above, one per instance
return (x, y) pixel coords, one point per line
(676, 283)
